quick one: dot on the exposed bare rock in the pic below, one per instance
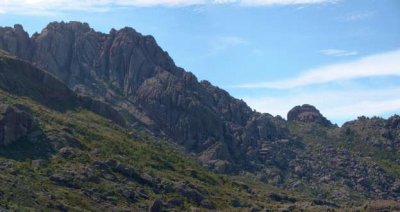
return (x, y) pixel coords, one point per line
(382, 205)
(308, 114)
(133, 74)
(156, 206)
(16, 41)
(394, 122)
(14, 124)
(376, 132)
(21, 78)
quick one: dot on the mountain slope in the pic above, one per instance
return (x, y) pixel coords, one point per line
(132, 72)
(71, 159)
(339, 164)
(137, 85)
(21, 78)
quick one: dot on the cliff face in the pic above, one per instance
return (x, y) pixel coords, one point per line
(16, 41)
(20, 78)
(131, 72)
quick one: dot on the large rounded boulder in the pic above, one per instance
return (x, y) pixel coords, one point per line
(307, 114)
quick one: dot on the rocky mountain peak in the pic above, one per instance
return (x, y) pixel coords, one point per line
(72, 25)
(131, 72)
(16, 41)
(308, 114)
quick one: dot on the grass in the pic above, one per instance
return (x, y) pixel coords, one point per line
(28, 167)
(27, 187)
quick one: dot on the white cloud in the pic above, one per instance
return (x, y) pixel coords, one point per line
(343, 104)
(223, 43)
(56, 6)
(378, 65)
(284, 2)
(52, 7)
(356, 16)
(340, 97)
(159, 2)
(338, 52)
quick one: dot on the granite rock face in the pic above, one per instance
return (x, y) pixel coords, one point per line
(376, 132)
(16, 41)
(307, 114)
(22, 79)
(131, 72)
(15, 123)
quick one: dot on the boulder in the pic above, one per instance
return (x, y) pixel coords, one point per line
(156, 206)
(14, 124)
(281, 197)
(307, 114)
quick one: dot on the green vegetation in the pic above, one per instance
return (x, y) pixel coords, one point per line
(76, 160)
(57, 167)
(361, 145)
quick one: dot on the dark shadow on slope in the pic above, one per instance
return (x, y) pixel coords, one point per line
(20, 78)
(28, 148)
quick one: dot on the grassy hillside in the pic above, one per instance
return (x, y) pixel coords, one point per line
(77, 160)
(73, 159)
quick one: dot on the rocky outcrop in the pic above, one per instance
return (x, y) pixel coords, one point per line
(307, 114)
(375, 132)
(133, 74)
(359, 157)
(15, 123)
(21, 78)
(16, 41)
(155, 206)
(382, 205)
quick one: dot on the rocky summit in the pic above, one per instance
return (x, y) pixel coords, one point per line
(132, 73)
(108, 121)
(307, 114)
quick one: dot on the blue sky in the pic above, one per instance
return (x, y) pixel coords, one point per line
(343, 56)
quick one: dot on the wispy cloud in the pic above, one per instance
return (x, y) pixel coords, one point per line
(283, 2)
(338, 52)
(345, 103)
(378, 65)
(356, 16)
(223, 43)
(55, 6)
(148, 3)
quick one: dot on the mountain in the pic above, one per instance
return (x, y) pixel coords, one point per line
(127, 78)
(132, 73)
(343, 161)
(58, 155)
